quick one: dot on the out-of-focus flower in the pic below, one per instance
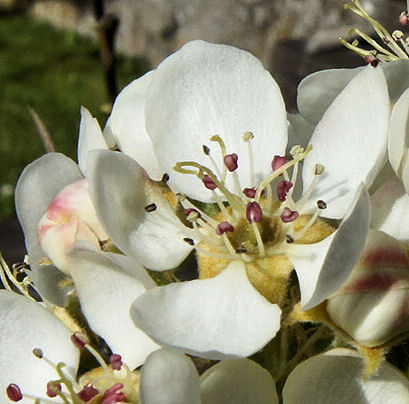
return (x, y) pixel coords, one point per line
(207, 89)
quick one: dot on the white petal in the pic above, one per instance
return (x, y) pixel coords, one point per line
(299, 131)
(238, 381)
(25, 326)
(336, 377)
(121, 190)
(206, 89)
(35, 190)
(397, 77)
(352, 149)
(127, 125)
(169, 377)
(222, 317)
(106, 292)
(323, 267)
(90, 138)
(398, 132)
(390, 207)
(317, 91)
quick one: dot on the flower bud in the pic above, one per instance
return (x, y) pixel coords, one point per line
(70, 217)
(372, 306)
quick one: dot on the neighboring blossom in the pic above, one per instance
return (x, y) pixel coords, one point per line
(220, 93)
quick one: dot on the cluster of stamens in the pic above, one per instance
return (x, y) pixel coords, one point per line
(396, 45)
(117, 376)
(249, 220)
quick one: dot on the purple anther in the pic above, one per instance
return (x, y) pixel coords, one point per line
(372, 60)
(254, 213)
(224, 227)
(230, 160)
(289, 215)
(189, 211)
(404, 18)
(209, 183)
(79, 339)
(116, 361)
(88, 393)
(113, 395)
(13, 392)
(278, 161)
(282, 189)
(52, 388)
(250, 192)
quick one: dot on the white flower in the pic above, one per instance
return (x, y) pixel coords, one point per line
(169, 377)
(205, 90)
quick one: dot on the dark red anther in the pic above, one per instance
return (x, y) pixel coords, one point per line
(88, 393)
(371, 59)
(278, 161)
(189, 211)
(404, 18)
(230, 160)
(116, 361)
(13, 392)
(79, 340)
(209, 183)
(282, 189)
(289, 215)
(52, 388)
(224, 227)
(254, 213)
(250, 192)
(113, 395)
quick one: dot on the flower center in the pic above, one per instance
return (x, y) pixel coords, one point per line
(254, 223)
(108, 384)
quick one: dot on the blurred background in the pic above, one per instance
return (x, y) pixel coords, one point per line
(56, 55)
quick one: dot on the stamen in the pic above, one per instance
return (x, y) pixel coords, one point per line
(219, 140)
(321, 204)
(241, 250)
(289, 215)
(404, 18)
(372, 60)
(53, 388)
(192, 214)
(78, 339)
(247, 137)
(206, 150)
(151, 207)
(289, 239)
(113, 395)
(254, 213)
(116, 361)
(88, 393)
(224, 227)
(209, 183)
(250, 192)
(189, 241)
(38, 353)
(260, 243)
(282, 189)
(278, 161)
(14, 393)
(165, 178)
(230, 161)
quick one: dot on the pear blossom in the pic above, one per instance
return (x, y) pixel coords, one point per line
(372, 306)
(169, 377)
(206, 91)
(55, 210)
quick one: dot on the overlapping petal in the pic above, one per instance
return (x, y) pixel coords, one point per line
(336, 377)
(127, 125)
(225, 316)
(107, 284)
(26, 326)
(323, 267)
(390, 207)
(169, 377)
(35, 190)
(239, 381)
(352, 149)
(90, 138)
(206, 89)
(121, 190)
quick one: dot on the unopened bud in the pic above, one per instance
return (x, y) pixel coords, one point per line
(372, 306)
